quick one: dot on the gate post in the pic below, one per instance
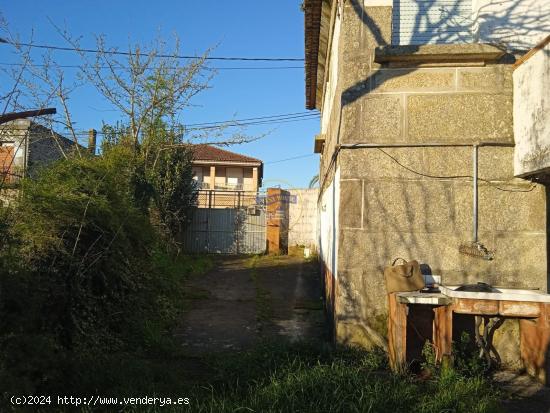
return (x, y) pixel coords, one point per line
(277, 201)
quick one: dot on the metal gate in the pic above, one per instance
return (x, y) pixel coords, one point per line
(227, 222)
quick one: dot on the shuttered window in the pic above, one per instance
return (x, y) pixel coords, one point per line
(431, 21)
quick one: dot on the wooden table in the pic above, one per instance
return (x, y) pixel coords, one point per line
(411, 315)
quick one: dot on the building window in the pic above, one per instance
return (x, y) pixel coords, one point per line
(431, 21)
(234, 178)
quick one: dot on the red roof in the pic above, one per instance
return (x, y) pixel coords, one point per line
(212, 153)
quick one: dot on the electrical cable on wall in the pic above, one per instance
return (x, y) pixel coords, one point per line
(533, 186)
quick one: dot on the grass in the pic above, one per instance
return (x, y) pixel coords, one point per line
(273, 376)
(302, 377)
(264, 306)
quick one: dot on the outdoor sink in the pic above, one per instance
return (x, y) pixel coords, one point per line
(500, 294)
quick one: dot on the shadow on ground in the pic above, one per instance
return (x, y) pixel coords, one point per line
(248, 299)
(522, 393)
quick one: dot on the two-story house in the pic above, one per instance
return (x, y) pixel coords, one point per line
(227, 179)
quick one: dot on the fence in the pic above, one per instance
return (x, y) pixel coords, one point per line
(228, 199)
(227, 222)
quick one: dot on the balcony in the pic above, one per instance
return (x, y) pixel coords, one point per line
(224, 187)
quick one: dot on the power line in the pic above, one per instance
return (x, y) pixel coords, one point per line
(124, 53)
(271, 122)
(172, 68)
(290, 159)
(204, 128)
(295, 114)
(260, 120)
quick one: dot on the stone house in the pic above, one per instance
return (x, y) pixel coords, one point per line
(25, 146)
(412, 95)
(228, 178)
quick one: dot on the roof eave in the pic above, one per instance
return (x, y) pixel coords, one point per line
(232, 163)
(312, 21)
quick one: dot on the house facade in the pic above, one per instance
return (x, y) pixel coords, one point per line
(227, 179)
(25, 146)
(416, 99)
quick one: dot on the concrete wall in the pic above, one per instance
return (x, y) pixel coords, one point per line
(532, 114)
(388, 211)
(302, 228)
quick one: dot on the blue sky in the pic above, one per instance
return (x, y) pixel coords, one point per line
(243, 28)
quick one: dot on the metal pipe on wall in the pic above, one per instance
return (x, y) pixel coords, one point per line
(474, 188)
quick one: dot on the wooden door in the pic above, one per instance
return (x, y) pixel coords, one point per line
(6, 163)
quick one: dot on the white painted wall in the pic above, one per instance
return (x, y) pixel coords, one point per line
(302, 227)
(514, 24)
(532, 114)
(328, 224)
(330, 87)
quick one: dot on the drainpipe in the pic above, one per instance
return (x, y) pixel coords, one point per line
(474, 188)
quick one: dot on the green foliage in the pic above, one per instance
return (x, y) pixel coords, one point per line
(84, 272)
(429, 356)
(162, 171)
(307, 378)
(466, 357)
(167, 165)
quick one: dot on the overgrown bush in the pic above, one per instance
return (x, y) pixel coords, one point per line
(84, 271)
(162, 175)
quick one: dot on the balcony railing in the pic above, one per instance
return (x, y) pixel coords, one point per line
(228, 199)
(224, 187)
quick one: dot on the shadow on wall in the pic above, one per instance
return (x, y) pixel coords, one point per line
(511, 24)
(431, 21)
(423, 220)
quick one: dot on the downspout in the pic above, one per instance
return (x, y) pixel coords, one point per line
(475, 192)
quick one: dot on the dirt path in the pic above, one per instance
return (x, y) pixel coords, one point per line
(247, 299)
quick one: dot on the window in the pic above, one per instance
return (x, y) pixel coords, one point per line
(234, 178)
(431, 21)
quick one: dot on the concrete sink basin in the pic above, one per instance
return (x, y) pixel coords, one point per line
(498, 294)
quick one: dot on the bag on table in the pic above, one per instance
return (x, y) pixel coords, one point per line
(404, 277)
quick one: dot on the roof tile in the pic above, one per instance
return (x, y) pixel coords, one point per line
(212, 153)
